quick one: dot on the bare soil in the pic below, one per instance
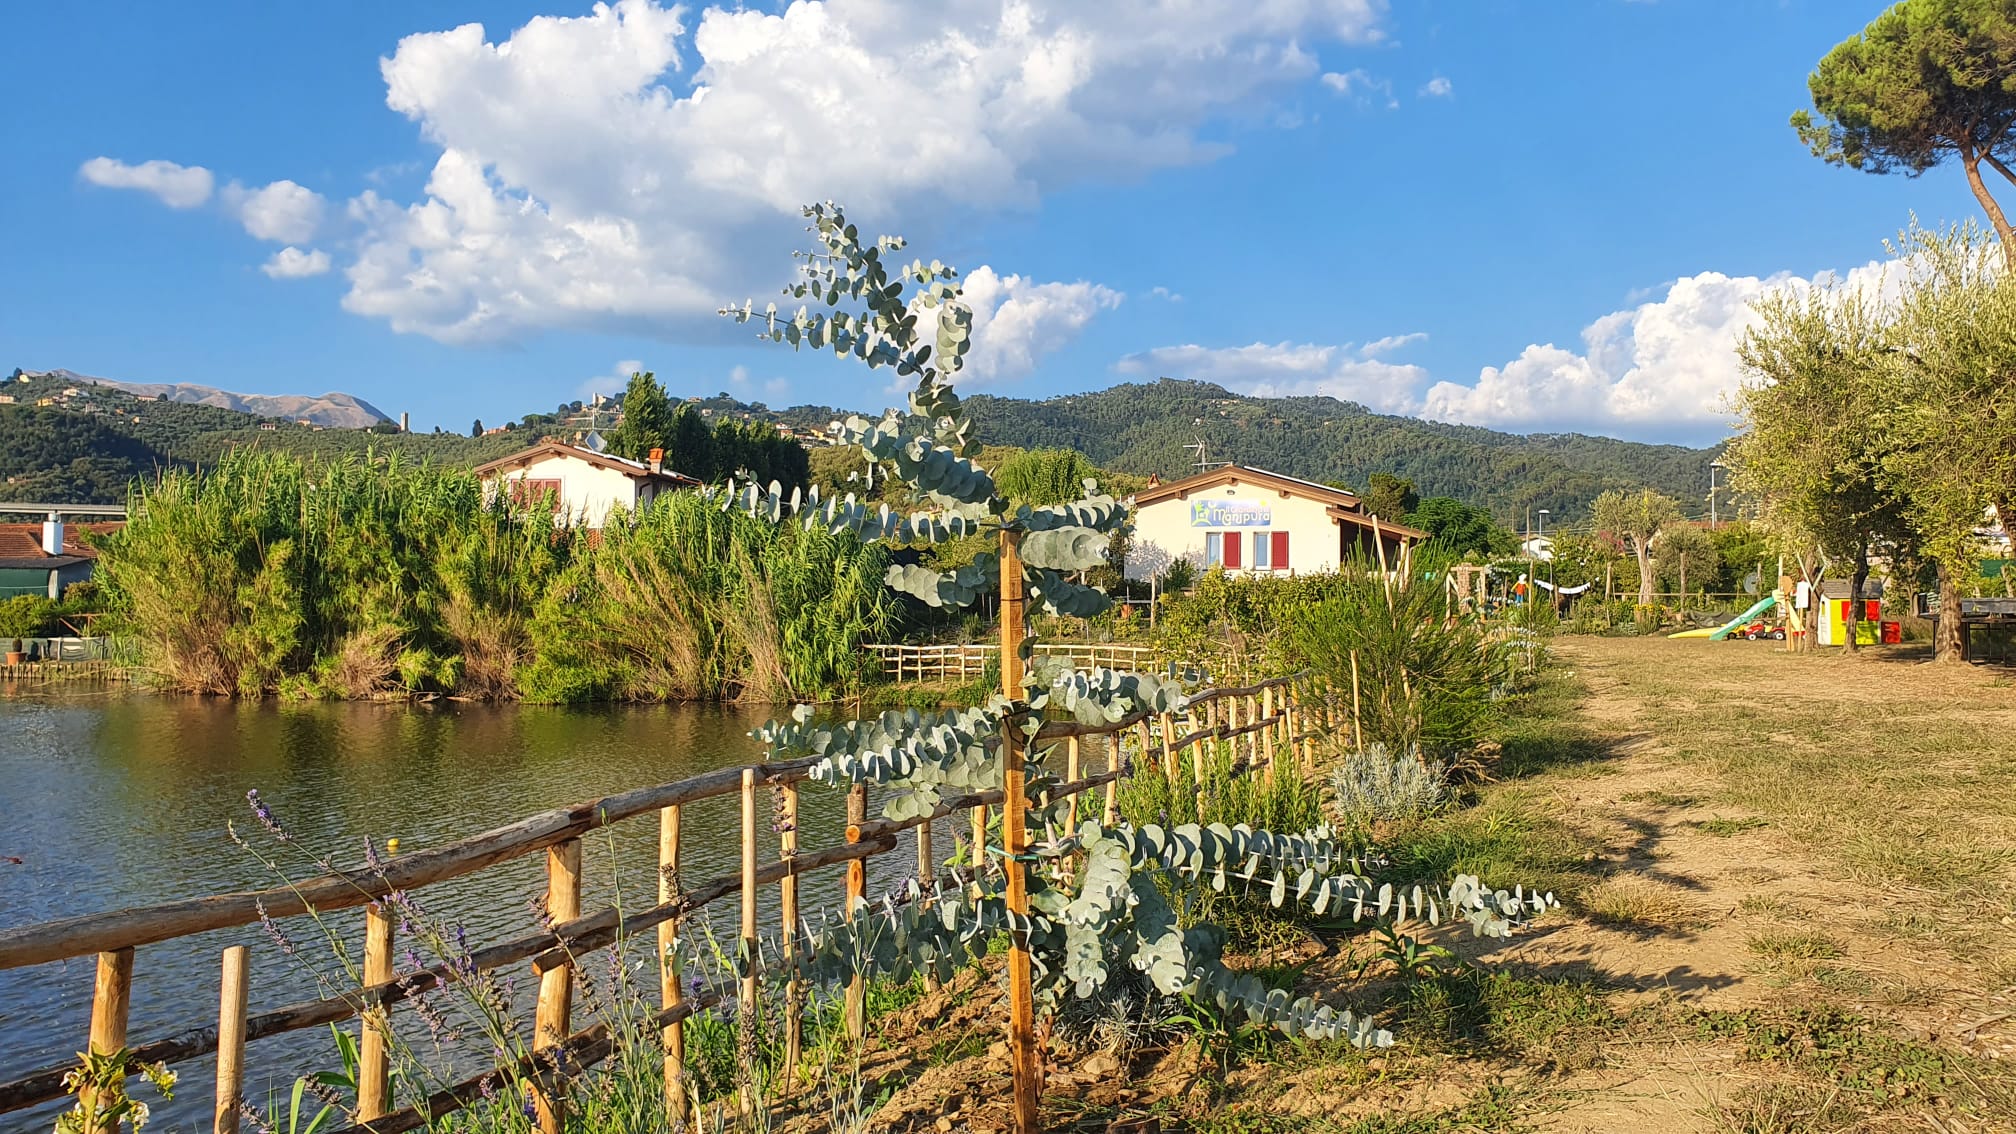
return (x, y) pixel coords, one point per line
(1792, 912)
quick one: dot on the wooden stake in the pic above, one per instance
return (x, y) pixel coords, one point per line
(927, 875)
(1267, 735)
(231, 1039)
(1111, 814)
(857, 885)
(752, 990)
(1071, 773)
(670, 995)
(556, 986)
(1021, 1000)
(111, 1001)
(1357, 725)
(374, 1050)
(1172, 764)
(787, 917)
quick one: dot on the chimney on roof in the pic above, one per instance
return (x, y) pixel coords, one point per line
(52, 535)
(404, 426)
(657, 460)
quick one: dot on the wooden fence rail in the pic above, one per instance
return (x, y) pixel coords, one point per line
(1267, 723)
(960, 661)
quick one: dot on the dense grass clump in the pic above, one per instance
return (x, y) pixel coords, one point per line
(375, 577)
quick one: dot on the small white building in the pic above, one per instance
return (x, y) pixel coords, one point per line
(1254, 522)
(582, 485)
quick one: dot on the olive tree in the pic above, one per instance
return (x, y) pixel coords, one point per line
(1815, 432)
(1949, 396)
(1637, 518)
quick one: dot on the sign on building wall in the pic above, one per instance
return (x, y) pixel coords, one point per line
(1230, 514)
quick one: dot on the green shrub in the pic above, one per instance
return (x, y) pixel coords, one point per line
(27, 616)
(1426, 670)
(1375, 786)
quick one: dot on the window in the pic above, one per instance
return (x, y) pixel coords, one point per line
(1261, 547)
(1221, 549)
(536, 492)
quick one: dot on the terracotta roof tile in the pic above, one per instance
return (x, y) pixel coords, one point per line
(24, 541)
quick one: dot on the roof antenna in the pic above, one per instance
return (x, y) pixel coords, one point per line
(1204, 463)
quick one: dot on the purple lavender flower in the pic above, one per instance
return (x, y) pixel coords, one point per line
(265, 815)
(274, 931)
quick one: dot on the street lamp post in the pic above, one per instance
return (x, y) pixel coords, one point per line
(1550, 552)
(1714, 517)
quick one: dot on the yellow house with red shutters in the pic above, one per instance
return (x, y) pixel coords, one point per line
(1254, 522)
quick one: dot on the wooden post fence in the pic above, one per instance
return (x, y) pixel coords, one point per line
(1021, 989)
(374, 1054)
(111, 1002)
(669, 992)
(231, 998)
(1274, 714)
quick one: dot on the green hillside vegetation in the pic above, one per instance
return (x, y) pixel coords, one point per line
(1136, 429)
(1142, 428)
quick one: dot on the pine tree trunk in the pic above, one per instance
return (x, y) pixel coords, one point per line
(1971, 162)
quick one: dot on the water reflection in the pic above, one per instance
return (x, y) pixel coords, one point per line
(120, 799)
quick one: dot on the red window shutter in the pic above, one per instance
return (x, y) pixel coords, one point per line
(1280, 549)
(1231, 550)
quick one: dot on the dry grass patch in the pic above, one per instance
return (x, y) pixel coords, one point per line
(1795, 945)
(1632, 902)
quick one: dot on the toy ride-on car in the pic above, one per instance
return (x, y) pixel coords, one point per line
(1757, 630)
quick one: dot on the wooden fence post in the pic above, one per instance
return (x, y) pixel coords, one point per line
(748, 1002)
(857, 885)
(374, 1050)
(1172, 764)
(1112, 813)
(111, 1001)
(1021, 998)
(1269, 730)
(670, 995)
(556, 987)
(927, 875)
(231, 1039)
(1071, 773)
(787, 918)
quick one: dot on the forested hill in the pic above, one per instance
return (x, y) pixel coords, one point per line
(1143, 428)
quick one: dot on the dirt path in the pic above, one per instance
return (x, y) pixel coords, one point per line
(1709, 901)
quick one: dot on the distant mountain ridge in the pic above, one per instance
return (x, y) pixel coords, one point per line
(332, 410)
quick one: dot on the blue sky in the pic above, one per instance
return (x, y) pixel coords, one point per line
(1541, 215)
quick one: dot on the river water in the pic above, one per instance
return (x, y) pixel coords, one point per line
(113, 798)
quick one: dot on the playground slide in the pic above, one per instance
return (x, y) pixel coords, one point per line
(1717, 635)
(1763, 604)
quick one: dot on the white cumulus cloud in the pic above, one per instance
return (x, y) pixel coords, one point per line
(1016, 321)
(1281, 370)
(177, 186)
(283, 212)
(1665, 368)
(1438, 87)
(291, 263)
(634, 167)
